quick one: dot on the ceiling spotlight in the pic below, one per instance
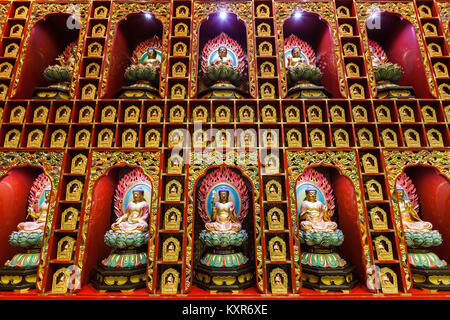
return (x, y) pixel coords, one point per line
(148, 15)
(298, 14)
(223, 14)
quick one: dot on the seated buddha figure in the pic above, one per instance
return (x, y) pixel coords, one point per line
(315, 214)
(134, 219)
(40, 217)
(295, 60)
(223, 58)
(410, 219)
(150, 59)
(223, 219)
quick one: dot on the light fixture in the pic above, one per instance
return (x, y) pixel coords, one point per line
(298, 14)
(148, 15)
(223, 14)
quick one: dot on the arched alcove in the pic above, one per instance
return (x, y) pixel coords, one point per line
(346, 215)
(240, 181)
(102, 215)
(211, 27)
(15, 187)
(311, 28)
(48, 39)
(135, 28)
(433, 190)
(397, 36)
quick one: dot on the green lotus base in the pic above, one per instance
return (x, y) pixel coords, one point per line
(423, 239)
(26, 239)
(222, 73)
(393, 91)
(435, 279)
(26, 259)
(307, 91)
(119, 279)
(328, 279)
(138, 91)
(223, 240)
(125, 259)
(222, 91)
(224, 260)
(322, 239)
(17, 279)
(325, 259)
(140, 73)
(425, 259)
(52, 92)
(224, 279)
(117, 240)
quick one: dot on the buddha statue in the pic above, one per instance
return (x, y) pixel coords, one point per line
(222, 64)
(296, 60)
(410, 219)
(303, 76)
(40, 217)
(222, 58)
(128, 236)
(223, 215)
(142, 76)
(59, 75)
(315, 214)
(135, 216)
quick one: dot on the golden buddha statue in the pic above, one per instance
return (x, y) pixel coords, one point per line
(135, 216)
(410, 218)
(315, 214)
(223, 215)
(150, 59)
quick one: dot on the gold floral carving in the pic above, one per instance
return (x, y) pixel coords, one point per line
(297, 162)
(161, 10)
(149, 162)
(50, 162)
(404, 9)
(395, 162)
(247, 162)
(243, 11)
(326, 11)
(444, 10)
(39, 10)
(4, 6)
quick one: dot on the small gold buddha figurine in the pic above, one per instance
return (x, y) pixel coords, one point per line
(410, 219)
(223, 215)
(150, 59)
(315, 214)
(135, 217)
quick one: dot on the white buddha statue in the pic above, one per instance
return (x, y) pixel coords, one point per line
(223, 219)
(135, 216)
(410, 219)
(315, 214)
(40, 217)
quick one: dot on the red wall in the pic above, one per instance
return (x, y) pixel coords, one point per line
(14, 189)
(346, 202)
(99, 224)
